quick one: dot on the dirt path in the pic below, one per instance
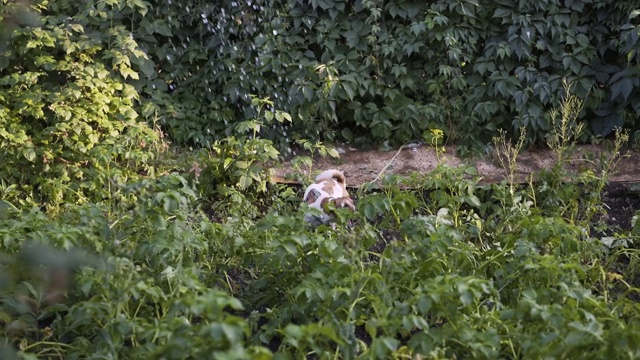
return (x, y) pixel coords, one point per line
(362, 166)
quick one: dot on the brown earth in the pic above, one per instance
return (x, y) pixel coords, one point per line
(363, 166)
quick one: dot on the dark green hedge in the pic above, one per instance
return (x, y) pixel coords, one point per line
(376, 70)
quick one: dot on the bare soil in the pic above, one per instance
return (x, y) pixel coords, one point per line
(363, 166)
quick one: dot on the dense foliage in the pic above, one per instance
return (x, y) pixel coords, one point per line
(451, 269)
(115, 245)
(66, 111)
(387, 71)
(364, 70)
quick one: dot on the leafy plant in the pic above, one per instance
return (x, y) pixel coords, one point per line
(554, 190)
(435, 138)
(507, 155)
(366, 72)
(303, 165)
(566, 130)
(115, 245)
(67, 121)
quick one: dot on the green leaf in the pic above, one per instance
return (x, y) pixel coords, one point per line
(623, 87)
(146, 66)
(244, 182)
(29, 154)
(333, 153)
(348, 90)
(243, 165)
(473, 201)
(227, 162)
(127, 72)
(291, 247)
(4, 62)
(294, 331)
(390, 343)
(142, 6)
(418, 27)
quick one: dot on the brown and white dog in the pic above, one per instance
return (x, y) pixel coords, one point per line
(330, 187)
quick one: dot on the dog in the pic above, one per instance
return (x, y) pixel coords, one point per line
(330, 187)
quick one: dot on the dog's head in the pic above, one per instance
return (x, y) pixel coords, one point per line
(345, 202)
(330, 205)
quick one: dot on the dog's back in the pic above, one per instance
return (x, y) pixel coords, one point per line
(330, 185)
(333, 182)
(331, 174)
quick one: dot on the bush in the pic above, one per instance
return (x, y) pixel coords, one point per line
(69, 123)
(199, 255)
(388, 71)
(364, 70)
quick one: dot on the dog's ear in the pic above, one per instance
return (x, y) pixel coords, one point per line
(312, 196)
(351, 205)
(345, 202)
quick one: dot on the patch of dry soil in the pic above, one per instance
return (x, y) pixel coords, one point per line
(363, 166)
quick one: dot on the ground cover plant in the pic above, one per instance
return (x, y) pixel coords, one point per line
(117, 244)
(192, 260)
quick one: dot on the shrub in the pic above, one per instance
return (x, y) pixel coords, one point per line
(69, 124)
(377, 71)
(365, 71)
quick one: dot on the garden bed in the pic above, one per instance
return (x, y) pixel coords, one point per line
(362, 166)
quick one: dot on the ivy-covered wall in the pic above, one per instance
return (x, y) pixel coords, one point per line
(365, 70)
